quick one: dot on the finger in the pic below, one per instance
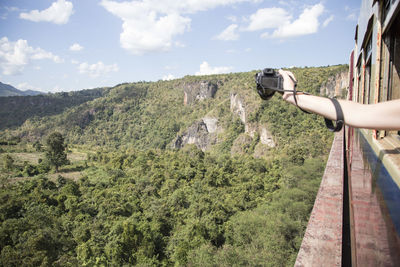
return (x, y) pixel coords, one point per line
(287, 74)
(291, 75)
(283, 73)
(289, 82)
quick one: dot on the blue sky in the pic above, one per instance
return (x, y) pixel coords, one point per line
(66, 45)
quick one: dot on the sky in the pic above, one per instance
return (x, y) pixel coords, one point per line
(69, 45)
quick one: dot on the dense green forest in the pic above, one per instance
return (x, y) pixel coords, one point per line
(134, 199)
(15, 110)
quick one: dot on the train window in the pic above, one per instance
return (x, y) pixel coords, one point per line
(392, 43)
(384, 78)
(395, 62)
(359, 86)
(368, 49)
(391, 64)
(386, 8)
(367, 85)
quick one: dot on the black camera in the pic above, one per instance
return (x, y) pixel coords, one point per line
(268, 82)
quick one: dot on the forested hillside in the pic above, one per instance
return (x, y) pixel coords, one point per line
(151, 114)
(196, 171)
(8, 90)
(15, 110)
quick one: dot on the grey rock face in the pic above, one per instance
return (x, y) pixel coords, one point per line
(237, 107)
(199, 134)
(211, 124)
(335, 85)
(199, 91)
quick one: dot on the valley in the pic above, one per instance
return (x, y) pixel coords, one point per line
(197, 171)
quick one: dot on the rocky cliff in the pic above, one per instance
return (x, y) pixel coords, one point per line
(237, 107)
(223, 113)
(335, 85)
(198, 91)
(256, 138)
(254, 130)
(202, 133)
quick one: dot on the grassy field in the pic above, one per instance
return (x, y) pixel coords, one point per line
(25, 154)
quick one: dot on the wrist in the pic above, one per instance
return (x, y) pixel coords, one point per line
(289, 96)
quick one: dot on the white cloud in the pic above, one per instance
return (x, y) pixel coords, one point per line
(25, 86)
(233, 19)
(307, 23)
(268, 18)
(58, 13)
(229, 34)
(76, 47)
(206, 69)
(97, 69)
(168, 77)
(152, 25)
(58, 88)
(327, 21)
(14, 56)
(145, 31)
(11, 8)
(8, 10)
(179, 44)
(352, 16)
(281, 22)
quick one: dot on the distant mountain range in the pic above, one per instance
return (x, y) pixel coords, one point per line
(8, 90)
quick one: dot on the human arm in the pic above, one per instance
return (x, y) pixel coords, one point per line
(382, 116)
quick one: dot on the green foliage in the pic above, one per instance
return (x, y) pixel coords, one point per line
(55, 150)
(38, 146)
(160, 208)
(142, 204)
(30, 170)
(17, 109)
(8, 162)
(230, 136)
(149, 115)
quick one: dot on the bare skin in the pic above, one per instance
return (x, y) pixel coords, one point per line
(381, 116)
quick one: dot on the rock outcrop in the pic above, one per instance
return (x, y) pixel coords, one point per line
(238, 107)
(199, 91)
(253, 130)
(211, 123)
(202, 133)
(335, 85)
(266, 137)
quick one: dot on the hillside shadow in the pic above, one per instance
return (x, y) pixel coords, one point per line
(15, 110)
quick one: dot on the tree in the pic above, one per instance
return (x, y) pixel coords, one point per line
(38, 146)
(55, 151)
(8, 162)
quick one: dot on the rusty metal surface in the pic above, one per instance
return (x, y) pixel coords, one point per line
(322, 242)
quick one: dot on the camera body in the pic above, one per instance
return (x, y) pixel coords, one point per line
(268, 82)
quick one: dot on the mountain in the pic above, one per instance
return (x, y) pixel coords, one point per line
(216, 113)
(197, 171)
(8, 90)
(15, 110)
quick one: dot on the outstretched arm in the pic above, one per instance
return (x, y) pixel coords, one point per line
(382, 116)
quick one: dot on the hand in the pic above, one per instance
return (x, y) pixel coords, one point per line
(289, 82)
